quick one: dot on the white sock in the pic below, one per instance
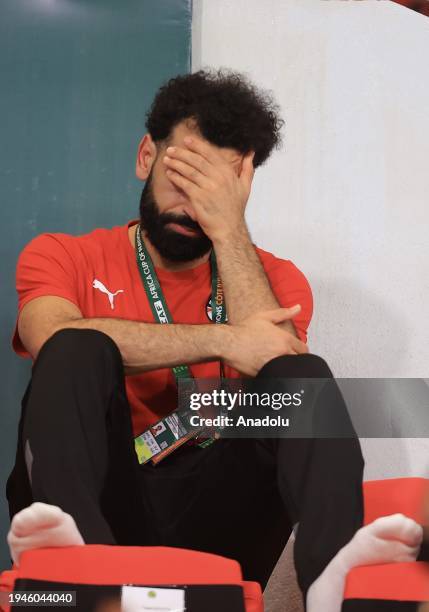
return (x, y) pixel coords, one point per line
(39, 526)
(388, 539)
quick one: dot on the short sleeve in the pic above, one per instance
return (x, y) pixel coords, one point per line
(291, 287)
(45, 267)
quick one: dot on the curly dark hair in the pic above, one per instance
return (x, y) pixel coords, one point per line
(228, 109)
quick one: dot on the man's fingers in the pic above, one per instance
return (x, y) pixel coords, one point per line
(184, 183)
(299, 346)
(187, 171)
(203, 148)
(193, 159)
(283, 314)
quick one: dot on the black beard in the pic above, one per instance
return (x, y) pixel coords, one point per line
(171, 245)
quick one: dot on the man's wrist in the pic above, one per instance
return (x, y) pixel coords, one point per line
(237, 236)
(221, 337)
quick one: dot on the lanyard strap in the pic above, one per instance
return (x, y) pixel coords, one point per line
(157, 300)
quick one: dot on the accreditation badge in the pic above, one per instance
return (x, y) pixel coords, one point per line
(162, 439)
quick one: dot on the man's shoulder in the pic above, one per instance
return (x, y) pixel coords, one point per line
(269, 260)
(279, 269)
(96, 239)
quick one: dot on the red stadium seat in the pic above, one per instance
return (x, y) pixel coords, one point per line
(393, 581)
(116, 565)
(157, 566)
(393, 495)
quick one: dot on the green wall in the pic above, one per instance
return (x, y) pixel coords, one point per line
(77, 77)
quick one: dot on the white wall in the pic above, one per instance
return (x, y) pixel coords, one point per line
(351, 184)
(347, 199)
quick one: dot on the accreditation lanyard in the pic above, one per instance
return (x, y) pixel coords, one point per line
(157, 300)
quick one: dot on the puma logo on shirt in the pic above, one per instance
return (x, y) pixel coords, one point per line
(99, 285)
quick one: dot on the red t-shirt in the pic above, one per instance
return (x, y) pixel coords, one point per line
(68, 266)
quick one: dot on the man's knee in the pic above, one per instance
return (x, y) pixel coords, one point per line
(306, 365)
(77, 347)
(315, 365)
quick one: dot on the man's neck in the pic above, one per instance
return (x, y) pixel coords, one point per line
(160, 262)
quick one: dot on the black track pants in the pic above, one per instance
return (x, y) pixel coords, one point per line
(237, 498)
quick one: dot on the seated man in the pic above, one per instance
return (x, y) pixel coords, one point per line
(105, 371)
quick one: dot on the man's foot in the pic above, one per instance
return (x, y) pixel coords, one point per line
(40, 526)
(388, 539)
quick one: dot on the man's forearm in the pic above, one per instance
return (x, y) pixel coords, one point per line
(149, 346)
(245, 284)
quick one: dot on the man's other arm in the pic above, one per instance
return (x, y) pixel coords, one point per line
(245, 283)
(146, 346)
